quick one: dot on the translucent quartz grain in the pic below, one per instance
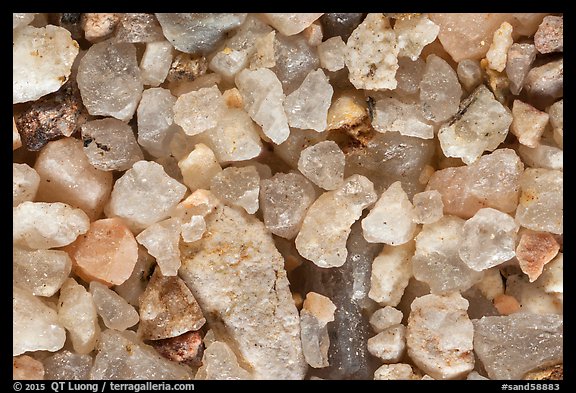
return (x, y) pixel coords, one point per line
(138, 28)
(40, 225)
(541, 201)
(439, 336)
(193, 229)
(198, 32)
(322, 240)
(323, 164)
(413, 34)
(35, 326)
(199, 167)
(440, 90)
(543, 156)
(66, 365)
(469, 73)
(391, 271)
(391, 220)
(290, 150)
(397, 371)
(528, 123)
(519, 60)
(263, 100)
(77, 312)
(25, 182)
(294, 58)
(66, 175)
(510, 346)
(317, 312)
(409, 75)
(199, 110)
(265, 54)
(220, 363)
(143, 195)
(483, 125)
(436, 260)
(228, 62)
(156, 121)
(110, 144)
(307, 106)
(115, 312)
(156, 62)
(284, 200)
(106, 253)
(545, 84)
(556, 112)
(20, 19)
(42, 272)
(42, 61)
(391, 114)
(331, 53)
(238, 186)
(384, 318)
(290, 24)
(123, 356)
(371, 55)
(552, 278)
(161, 239)
(389, 345)
(488, 239)
(109, 80)
(134, 286)
(428, 207)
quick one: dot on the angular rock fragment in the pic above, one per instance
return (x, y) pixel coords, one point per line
(98, 26)
(145, 194)
(66, 175)
(556, 112)
(391, 220)
(199, 167)
(25, 182)
(168, 308)
(389, 345)
(322, 240)
(371, 55)
(113, 309)
(289, 151)
(186, 348)
(510, 346)
(20, 19)
(265, 54)
(317, 312)
(220, 363)
(340, 24)
(132, 288)
(42, 272)
(156, 121)
(35, 326)
(155, 63)
(491, 284)
(543, 156)
(51, 117)
(109, 80)
(307, 106)
(413, 34)
(391, 270)
(501, 43)
(199, 110)
(263, 100)
(161, 239)
(528, 123)
(428, 207)
(386, 317)
(66, 365)
(409, 75)
(110, 144)
(436, 260)
(550, 35)
(238, 186)
(481, 124)
(284, 200)
(541, 201)
(469, 73)
(506, 304)
(40, 225)
(193, 229)
(323, 164)
(397, 371)
(390, 114)
(439, 336)
(331, 53)
(77, 313)
(518, 63)
(290, 24)
(552, 278)
(294, 58)
(122, 356)
(534, 250)
(488, 239)
(198, 32)
(42, 61)
(106, 253)
(229, 62)
(250, 265)
(187, 68)
(440, 90)
(27, 368)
